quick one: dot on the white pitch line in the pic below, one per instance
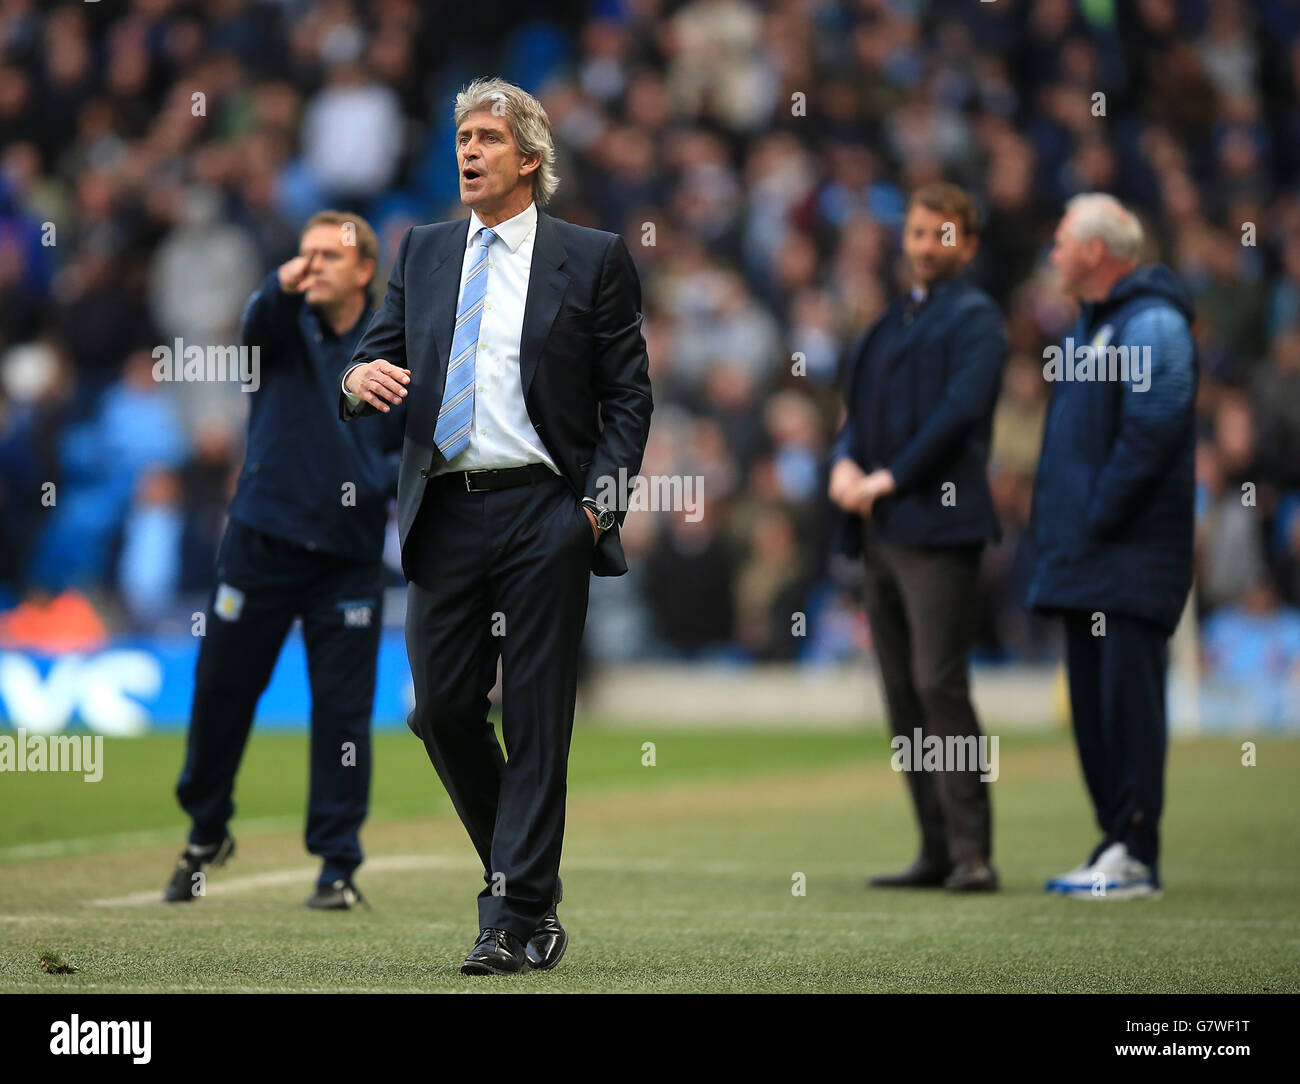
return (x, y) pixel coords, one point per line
(145, 837)
(405, 863)
(398, 863)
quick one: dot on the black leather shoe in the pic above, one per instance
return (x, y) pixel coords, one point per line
(546, 946)
(496, 952)
(972, 875)
(342, 895)
(185, 884)
(920, 874)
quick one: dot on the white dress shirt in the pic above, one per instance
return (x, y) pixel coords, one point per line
(502, 434)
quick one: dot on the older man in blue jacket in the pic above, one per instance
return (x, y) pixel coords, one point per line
(1112, 526)
(910, 473)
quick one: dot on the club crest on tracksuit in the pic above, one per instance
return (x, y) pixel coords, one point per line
(230, 602)
(1102, 339)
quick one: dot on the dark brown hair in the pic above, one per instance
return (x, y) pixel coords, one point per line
(948, 199)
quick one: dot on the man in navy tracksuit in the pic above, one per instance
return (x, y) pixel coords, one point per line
(909, 471)
(1112, 525)
(305, 539)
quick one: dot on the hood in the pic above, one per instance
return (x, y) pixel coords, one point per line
(1154, 280)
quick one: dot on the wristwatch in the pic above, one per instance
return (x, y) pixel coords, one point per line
(604, 517)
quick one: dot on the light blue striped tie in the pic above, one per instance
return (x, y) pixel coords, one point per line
(456, 418)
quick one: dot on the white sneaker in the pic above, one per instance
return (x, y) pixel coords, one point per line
(1078, 879)
(1116, 875)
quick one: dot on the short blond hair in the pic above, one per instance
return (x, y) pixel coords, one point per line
(529, 126)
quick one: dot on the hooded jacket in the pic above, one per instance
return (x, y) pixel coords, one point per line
(1113, 510)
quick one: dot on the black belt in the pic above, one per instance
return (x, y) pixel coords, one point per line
(481, 481)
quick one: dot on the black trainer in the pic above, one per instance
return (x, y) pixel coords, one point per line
(342, 895)
(186, 883)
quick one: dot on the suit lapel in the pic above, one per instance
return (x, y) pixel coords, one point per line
(546, 286)
(920, 322)
(440, 291)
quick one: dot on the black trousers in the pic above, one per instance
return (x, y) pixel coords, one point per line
(921, 603)
(265, 582)
(502, 576)
(1117, 699)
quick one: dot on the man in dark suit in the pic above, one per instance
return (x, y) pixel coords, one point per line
(515, 343)
(909, 472)
(1113, 521)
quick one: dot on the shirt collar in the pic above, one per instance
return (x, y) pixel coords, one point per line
(938, 289)
(512, 231)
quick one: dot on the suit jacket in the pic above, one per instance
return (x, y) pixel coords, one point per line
(920, 395)
(582, 360)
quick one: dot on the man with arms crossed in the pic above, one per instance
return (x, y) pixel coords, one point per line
(1112, 524)
(514, 341)
(909, 469)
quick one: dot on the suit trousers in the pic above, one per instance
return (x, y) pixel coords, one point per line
(921, 603)
(1117, 700)
(501, 575)
(264, 583)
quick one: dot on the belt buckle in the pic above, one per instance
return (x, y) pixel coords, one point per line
(469, 488)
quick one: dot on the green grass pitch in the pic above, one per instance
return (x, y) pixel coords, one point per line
(678, 877)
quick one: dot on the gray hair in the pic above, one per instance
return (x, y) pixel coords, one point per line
(1099, 215)
(529, 126)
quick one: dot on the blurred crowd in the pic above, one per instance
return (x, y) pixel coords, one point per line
(158, 156)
